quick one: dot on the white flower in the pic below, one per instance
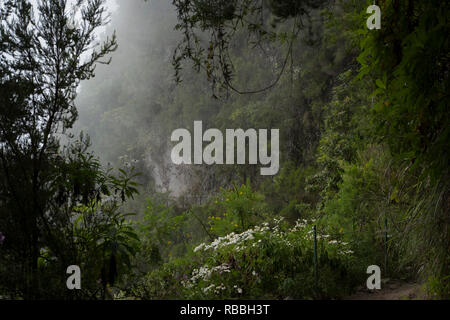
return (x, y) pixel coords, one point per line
(200, 247)
(208, 288)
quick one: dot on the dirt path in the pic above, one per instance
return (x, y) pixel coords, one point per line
(391, 290)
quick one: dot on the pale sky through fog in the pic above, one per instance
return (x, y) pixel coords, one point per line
(111, 8)
(111, 5)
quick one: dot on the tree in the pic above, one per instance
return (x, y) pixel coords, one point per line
(210, 27)
(408, 64)
(42, 61)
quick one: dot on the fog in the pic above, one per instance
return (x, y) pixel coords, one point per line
(132, 105)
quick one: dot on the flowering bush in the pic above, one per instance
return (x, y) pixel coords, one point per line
(270, 261)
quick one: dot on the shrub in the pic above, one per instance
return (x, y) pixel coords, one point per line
(266, 262)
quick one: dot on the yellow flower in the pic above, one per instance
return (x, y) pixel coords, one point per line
(169, 242)
(241, 193)
(340, 230)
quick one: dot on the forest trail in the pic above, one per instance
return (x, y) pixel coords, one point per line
(391, 290)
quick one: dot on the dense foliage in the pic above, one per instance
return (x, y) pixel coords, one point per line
(364, 133)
